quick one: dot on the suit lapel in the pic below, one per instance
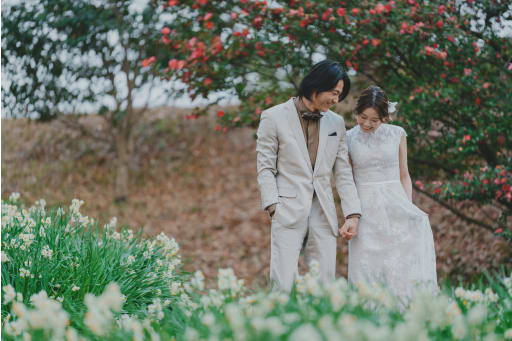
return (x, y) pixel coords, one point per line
(322, 141)
(293, 119)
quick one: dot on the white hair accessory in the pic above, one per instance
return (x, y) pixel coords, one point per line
(392, 107)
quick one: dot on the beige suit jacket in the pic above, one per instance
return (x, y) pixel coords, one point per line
(285, 175)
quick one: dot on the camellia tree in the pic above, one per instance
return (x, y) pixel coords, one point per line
(447, 63)
(233, 47)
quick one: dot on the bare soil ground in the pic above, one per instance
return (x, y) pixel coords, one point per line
(197, 186)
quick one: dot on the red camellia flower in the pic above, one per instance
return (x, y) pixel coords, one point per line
(191, 43)
(217, 127)
(166, 40)
(466, 138)
(355, 11)
(173, 64)
(501, 140)
(172, 2)
(380, 8)
(477, 101)
(209, 25)
(207, 81)
(475, 46)
(202, 2)
(257, 22)
(220, 113)
(450, 38)
(439, 24)
(375, 42)
(366, 42)
(419, 184)
(441, 9)
(499, 230)
(373, 12)
(146, 62)
(198, 51)
(166, 30)
(341, 12)
(234, 15)
(327, 14)
(208, 16)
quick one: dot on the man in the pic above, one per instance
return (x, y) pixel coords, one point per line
(300, 144)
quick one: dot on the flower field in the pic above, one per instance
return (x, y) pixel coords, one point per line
(66, 278)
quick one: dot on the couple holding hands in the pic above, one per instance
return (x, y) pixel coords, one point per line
(300, 144)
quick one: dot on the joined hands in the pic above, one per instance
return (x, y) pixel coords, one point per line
(349, 228)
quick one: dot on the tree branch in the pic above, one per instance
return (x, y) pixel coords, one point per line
(455, 211)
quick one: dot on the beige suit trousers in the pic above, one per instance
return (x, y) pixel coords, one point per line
(287, 242)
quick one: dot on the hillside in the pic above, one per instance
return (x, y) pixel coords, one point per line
(198, 186)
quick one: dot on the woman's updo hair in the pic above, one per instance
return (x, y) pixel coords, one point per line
(374, 97)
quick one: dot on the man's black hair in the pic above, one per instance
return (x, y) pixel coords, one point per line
(324, 76)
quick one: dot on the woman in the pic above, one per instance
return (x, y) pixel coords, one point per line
(394, 246)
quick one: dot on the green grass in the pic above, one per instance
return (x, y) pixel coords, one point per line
(63, 276)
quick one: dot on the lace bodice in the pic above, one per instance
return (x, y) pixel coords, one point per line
(375, 155)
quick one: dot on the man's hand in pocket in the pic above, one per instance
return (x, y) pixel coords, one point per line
(271, 210)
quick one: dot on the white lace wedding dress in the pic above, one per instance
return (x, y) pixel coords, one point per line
(394, 246)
